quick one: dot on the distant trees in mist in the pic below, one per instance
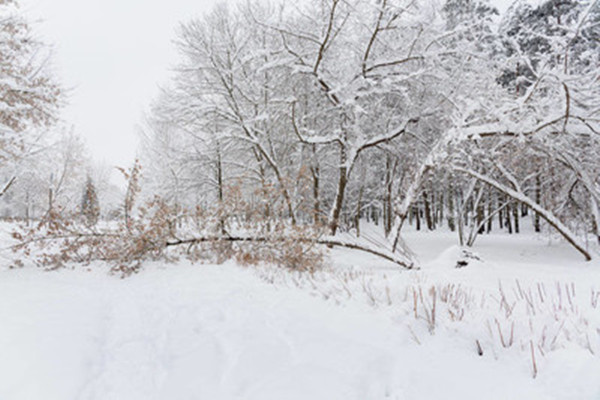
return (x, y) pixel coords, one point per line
(43, 163)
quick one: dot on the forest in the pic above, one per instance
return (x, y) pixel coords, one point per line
(288, 122)
(300, 134)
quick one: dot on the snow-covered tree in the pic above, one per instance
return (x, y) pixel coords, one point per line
(309, 117)
(29, 94)
(29, 99)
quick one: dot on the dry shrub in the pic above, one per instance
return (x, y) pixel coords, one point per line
(290, 248)
(61, 239)
(160, 231)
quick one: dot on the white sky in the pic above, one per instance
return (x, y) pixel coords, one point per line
(112, 55)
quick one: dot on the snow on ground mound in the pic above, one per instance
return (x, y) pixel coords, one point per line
(360, 330)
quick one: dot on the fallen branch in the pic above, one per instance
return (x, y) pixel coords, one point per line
(8, 185)
(386, 255)
(547, 215)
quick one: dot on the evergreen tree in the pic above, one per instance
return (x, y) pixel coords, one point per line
(90, 207)
(560, 34)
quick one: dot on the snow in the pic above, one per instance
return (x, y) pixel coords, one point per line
(228, 332)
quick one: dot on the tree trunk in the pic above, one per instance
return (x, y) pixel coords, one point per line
(501, 213)
(357, 214)
(440, 209)
(338, 203)
(508, 220)
(561, 228)
(387, 197)
(220, 189)
(450, 216)
(596, 221)
(516, 216)
(315, 174)
(460, 208)
(27, 208)
(417, 213)
(427, 211)
(538, 199)
(480, 217)
(490, 204)
(410, 196)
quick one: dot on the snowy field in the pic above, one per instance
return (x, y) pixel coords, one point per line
(359, 330)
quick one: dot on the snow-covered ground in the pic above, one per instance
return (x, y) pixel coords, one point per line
(359, 330)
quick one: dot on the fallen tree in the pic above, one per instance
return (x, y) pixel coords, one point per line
(159, 232)
(402, 260)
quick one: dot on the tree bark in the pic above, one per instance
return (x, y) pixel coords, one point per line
(358, 209)
(334, 219)
(516, 216)
(316, 177)
(538, 199)
(427, 211)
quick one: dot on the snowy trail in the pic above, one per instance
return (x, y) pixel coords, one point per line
(210, 332)
(225, 335)
(224, 332)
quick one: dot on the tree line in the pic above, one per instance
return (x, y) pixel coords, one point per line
(44, 164)
(432, 113)
(285, 123)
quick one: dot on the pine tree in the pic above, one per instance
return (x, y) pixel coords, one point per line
(90, 207)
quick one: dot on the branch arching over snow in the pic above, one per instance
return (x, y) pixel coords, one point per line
(404, 262)
(560, 227)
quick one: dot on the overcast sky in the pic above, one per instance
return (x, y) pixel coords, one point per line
(112, 55)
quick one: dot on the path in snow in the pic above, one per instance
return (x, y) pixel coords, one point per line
(221, 332)
(209, 332)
